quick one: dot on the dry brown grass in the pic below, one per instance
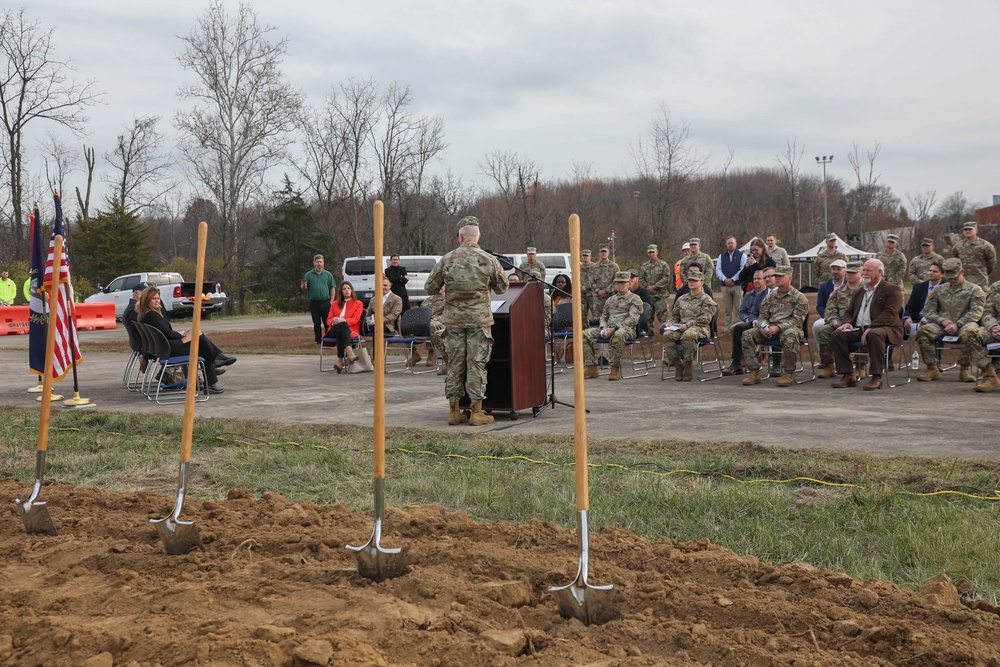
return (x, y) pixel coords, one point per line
(297, 340)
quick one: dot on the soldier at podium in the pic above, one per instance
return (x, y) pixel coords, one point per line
(468, 275)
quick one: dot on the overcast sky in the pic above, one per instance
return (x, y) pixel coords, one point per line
(562, 82)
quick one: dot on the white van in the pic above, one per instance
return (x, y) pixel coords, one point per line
(555, 263)
(360, 272)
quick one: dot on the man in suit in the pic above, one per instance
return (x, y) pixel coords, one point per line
(914, 311)
(392, 308)
(748, 315)
(874, 320)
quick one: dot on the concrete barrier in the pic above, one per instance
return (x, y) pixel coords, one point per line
(14, 320)
(100, 315)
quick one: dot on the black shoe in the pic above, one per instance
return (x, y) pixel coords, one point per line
(224, 360)
(215, 389)
(220, 371)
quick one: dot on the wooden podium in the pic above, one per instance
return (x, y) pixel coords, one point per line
(515, 374)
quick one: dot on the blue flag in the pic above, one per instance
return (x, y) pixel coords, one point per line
(37, 319)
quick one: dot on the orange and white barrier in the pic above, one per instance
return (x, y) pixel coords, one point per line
(14, 319)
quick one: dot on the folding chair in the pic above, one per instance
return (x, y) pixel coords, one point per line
(562, 333)
(859, 350)
(768, 347)
(173, 392)
(331, 343)
(132, 378)
(641, 339)
(414, 330)
(706, 371)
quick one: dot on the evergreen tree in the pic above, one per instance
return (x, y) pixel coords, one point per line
(111, 244)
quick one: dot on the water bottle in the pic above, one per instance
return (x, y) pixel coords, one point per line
(915, 361)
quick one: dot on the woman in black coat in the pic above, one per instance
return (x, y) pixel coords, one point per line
(397, 276)
(757, 260)
(149, 312)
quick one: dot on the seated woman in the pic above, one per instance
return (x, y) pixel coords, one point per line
(148, 309)
(563, 292)
(344, 323)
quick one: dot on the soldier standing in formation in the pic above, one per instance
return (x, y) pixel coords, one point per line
(619, 320)
(690, 320)
(586, 268)
(602, 278)
(827, 255)
(697, 258)
(468, 275)
(978, 256)
(655, 275)
(782, 315)
(894, 260)
(952, 310)
(919, 264)
(531, 266)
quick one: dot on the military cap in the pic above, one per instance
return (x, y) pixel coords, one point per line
(622, 277)
(927, 241)
(651, 248)
(854, 267)
(831, 236)
(839, 262)
(686, 246)
(971, 224)
(694, 273)
(694, 241)
(952, 267)
(633, 273)
(603, 247)
(585, 253)
(530, 251)
(783, 270)
(468, 221)
(892, 237)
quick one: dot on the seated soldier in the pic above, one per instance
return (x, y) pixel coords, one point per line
(837, 307)
(689, 322)
(990, 333)
(618, 323)
(952, 310)
(782, 315)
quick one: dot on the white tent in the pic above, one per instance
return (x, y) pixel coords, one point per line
(842, 245)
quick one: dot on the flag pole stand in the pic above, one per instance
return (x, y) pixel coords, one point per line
(37, 389)
(52, 397)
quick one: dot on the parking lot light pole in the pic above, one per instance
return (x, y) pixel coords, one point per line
(825, 160)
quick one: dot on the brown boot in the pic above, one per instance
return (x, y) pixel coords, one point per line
(829, 370)
(847, 381)
(734, 369)
(455, 416)
(787, 379)
(861, 370)
(443, 370)
(989, 381)
(592, 372)
(965, 375)
(688, 371)
(678, 369)
(616, 373)
(431, 359)
(874, 383)
(414, 358)
(479, 418)
(753, 378)
(933, 372)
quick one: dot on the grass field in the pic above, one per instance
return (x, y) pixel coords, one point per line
(902, 519)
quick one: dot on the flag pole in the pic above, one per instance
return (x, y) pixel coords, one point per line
(76, 401)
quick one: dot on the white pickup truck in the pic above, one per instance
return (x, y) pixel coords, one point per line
(177, 298)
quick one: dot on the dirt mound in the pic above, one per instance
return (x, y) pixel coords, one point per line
(275, 586)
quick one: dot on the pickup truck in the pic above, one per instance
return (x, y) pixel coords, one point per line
(177, 298)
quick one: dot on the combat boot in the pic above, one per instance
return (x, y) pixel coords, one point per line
(753, 378)
(787, 379)
(933, 372)
(965, 375)
(592, 372)
(688, 371)
(678, 370)
(431, 359)
(989, 381)
(443, 370)
(414, 359)
(829, 370)
(479, 418)
(616, 373)
(456, 416)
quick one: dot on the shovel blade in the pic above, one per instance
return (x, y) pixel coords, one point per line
(379, 564)
(591, 605)
(178, 537)
(37, 520)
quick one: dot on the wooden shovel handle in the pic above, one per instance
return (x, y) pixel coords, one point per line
(579, 395)
(379, 440)
(187, 433)
(50, 346)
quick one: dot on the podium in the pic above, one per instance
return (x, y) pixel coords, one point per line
(515, 373)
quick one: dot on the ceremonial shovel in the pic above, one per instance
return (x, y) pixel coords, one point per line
(590, 604)
(34, 513)
(180, 537)
(374, 561)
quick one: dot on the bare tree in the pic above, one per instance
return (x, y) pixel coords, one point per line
(517, 181)
(921, 205)
(35, 85)
(789, 162)
(243, 110)
(140, 168)
(356, 113)
(864, 196)
(84, 200)
(58, 159)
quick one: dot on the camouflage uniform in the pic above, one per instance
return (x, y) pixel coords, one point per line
(964, 306)
(657, 275)
(823, 261)
(703, 260)
(536, 269)
(895, 266)
(547, 307)
(787, 311)
(602, 277)
(990, 319)
(436, 303)
(979, 258)
(919, 265)
(696, 312)
(468, 274)
(586, 298)
(623, 313)
(836, 310)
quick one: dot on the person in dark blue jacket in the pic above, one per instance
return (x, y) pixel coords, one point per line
(749, 311)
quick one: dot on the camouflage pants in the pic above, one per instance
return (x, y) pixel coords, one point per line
(823, 340)
(616, 344)
(468, 350)
(789, 345)
(971, 338)
(683, 345)
(437, 335)
(661, 309)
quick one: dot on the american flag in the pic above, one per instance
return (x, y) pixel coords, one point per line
(66, 340)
